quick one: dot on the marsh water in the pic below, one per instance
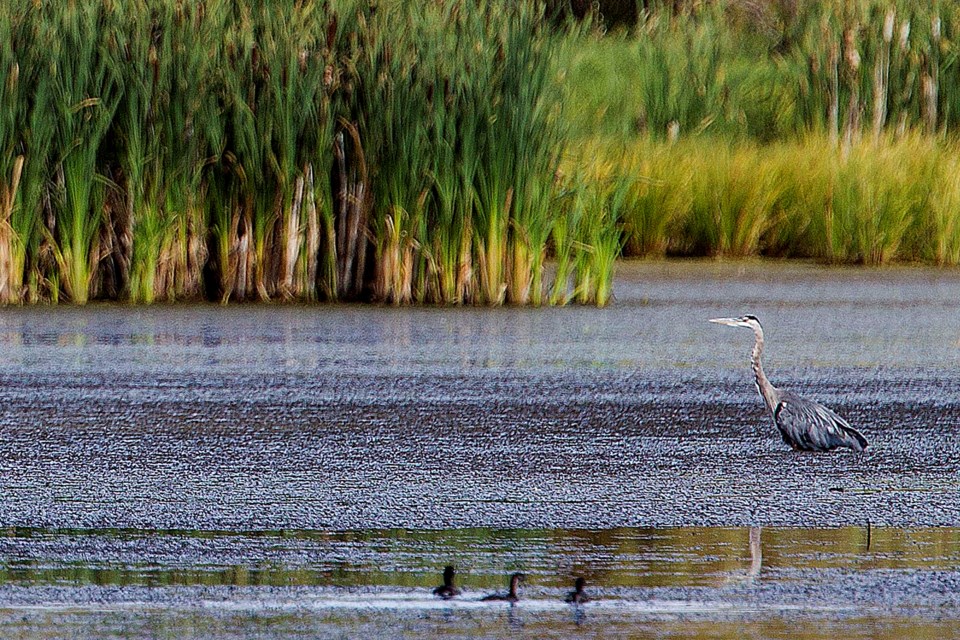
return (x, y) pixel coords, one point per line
(307, 471)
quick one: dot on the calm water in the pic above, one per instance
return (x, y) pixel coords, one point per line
(307, 471)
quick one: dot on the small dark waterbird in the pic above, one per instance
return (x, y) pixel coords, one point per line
(447, 591)
(512, 596)
(578, 595)
(804, 424)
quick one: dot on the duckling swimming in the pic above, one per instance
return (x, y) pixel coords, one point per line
(511, 597)
(447, 591)
(578, 595)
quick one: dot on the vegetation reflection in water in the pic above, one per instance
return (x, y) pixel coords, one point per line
(395, 558)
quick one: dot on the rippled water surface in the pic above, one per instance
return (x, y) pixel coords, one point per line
(284, 471)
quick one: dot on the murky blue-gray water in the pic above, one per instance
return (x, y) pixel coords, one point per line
(283, 471)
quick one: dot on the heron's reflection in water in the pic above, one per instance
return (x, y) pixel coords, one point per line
(752, 573)
(756, 555)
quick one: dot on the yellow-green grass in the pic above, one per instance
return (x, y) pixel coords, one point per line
(890, 199)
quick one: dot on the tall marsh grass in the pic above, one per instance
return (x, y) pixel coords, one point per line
(892, 199)
(246, 151)
(442, 152)
(771, 69)
(823, 130)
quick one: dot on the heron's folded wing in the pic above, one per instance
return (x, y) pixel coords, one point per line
(813, 426)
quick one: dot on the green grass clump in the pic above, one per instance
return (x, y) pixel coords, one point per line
(733, 203)
(587, 240)
(876, 200)
(938, 226)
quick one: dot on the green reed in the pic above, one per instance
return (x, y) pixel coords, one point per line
(597, 240)
(587, 239)
(12, 235)
(145, 226)
(85, 95)
(680, 65)
(453, 178)
(529, 109)
(393, 124)
(273, 87)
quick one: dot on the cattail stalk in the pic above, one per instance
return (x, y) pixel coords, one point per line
(881, 75)
(852, 76)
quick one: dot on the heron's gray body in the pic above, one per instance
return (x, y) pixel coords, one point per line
(804, 424)
(810, 426)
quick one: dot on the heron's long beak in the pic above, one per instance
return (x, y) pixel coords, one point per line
(730, 322)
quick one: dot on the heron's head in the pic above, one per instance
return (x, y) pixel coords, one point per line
(517, 577)
(749, 321)
(579, 584)
(448, 573)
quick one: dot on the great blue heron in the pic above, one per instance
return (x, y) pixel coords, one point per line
(804, 424)
(578, 595)
(512, 596)
(447, 591)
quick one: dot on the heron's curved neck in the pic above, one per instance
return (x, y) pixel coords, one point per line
(767, 391)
